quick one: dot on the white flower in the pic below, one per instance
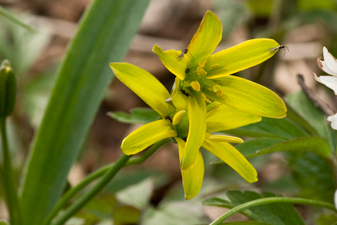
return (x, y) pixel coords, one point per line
(333, 120)
(329, 65)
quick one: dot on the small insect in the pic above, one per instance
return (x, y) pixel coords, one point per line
(169, 118)
(278, 48)
(184, 92)
(183, 52)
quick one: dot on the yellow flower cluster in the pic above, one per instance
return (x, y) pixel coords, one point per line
(205, 99)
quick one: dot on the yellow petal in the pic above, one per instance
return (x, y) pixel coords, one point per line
(249, 97)
(233, 158)
(179, 100)
(193, 177)
(173, 61)
(177, 117)
(143, 84)
(197, 128)
(240, 57)
(225, 118)
(207, 38)
(224, 138)
(147, 135)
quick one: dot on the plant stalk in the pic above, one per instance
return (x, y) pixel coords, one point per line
(97, 174)
(8, 177)
(269, 200)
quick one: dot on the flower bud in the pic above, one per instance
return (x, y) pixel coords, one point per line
(7, 89)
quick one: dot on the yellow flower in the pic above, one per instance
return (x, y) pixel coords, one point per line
(201, 71)
(188, 120)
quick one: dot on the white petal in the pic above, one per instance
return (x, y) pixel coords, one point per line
(329, 64)
(329, 81)
(333, 120)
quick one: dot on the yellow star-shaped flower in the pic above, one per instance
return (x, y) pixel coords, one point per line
(203, 72)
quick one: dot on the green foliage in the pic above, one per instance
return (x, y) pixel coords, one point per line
(272, 128)
(274, 213)
(261, 8)
(327, 219)
(312, 115)
(107, 28)
(246, 223)
(174, 213)
(313, 174)
(137, 115)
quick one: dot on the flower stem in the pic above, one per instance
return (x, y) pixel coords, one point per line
(8, 177)
(95, 175)
(269, 200)
(92, 192)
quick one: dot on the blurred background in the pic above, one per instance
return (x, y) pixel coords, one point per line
(154, 190)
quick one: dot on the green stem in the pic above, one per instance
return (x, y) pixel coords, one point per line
(119, 164)
(8, 176)
(269, 200)
(9, 16)
(97, 174)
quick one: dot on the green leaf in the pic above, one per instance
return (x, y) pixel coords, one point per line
(7, 14)
(272, 128)
(3, 222)
(217, 202)
(275, 213)
(256, 145)
(247, 223)
(314, 175)
(104, 36)
(326, 219)
(98, 209)
(137, 115)
(311, 114)
(309, 144)
(299, 120)
(137, 195)
(125, 215)
(181, 212)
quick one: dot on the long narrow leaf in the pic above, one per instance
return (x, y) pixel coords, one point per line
(104, 36)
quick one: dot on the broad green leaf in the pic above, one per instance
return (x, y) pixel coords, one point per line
(178, 212)
(312, 115)
(137, 195)
(313, 174)
(275, 213)
(299, 120)
(307, 5)
(98, 209)
(256, 145)
(125, 215)
(104, 36)
(272, 128)
(261, 146)
(304, 144)
(217, 202)
(261, 8)
(247, 223)
(137, 115)
(326, 219)
(252, 146)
